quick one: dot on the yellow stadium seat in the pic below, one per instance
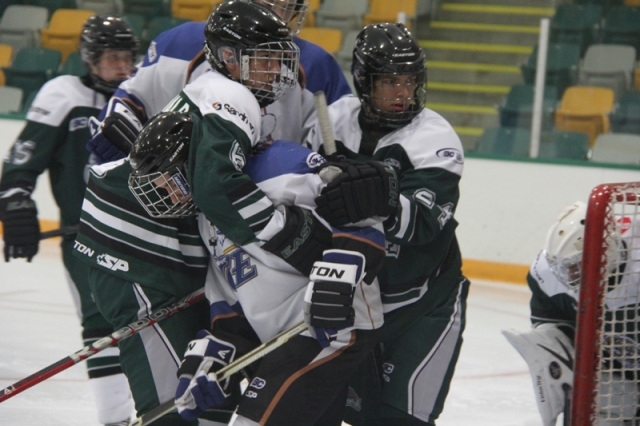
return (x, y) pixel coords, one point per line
(310, 18)
(387, 11)
(63, 33)
(329, 39)
(194, 10)
(6, 52)
(632, 3)
(585, 109)
(636, 79)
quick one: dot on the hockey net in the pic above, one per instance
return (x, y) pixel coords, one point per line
(606, 385)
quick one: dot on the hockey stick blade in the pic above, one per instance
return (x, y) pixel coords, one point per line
(237, 365)
(328, 141)
(65, 230)
(101, 344)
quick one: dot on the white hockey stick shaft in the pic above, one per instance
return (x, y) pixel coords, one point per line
(101, 344)
(227, 371)
(328, 141)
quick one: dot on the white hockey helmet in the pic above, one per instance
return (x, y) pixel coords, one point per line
(565, 244)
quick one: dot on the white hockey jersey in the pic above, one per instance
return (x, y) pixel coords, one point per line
(428, 158)
(250, 280)
(175, 58)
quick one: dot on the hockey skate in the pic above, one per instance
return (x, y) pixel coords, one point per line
(550, 356)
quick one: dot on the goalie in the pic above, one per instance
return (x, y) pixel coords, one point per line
(548, 349)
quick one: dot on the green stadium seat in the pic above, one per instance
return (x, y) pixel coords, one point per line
(73, 65)
(31, 68)
(518, 106)
(576, 24)
(563, 145)
(514, 142)
(147, 8)
(504, 141)
(26, 104)
(136, 22)
(562, 65)
(622, 26)
(156, 26)
(626, 113)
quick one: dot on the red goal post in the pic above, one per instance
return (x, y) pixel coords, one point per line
(606, 377)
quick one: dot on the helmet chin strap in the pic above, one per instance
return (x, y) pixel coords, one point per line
(100, 85)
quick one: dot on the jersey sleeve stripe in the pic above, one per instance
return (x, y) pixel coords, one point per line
(405, 218)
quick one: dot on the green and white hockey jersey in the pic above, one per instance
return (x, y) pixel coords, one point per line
(428, 157)
(229, 128)
(117, 235)
(54, 138)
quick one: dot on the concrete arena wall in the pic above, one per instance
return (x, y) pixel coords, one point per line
(505, 210)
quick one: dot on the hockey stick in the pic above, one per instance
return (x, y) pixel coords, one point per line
(65, 230)
(328, 140)
(227, 371)
(99, 345)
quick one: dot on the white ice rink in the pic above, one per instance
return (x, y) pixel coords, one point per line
(39, 326)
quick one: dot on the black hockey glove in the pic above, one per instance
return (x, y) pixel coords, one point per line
(328, 301)
(361, 191)
(301, 241)
(21, 227)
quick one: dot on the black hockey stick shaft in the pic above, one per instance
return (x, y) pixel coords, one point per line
(65, 230)
(227, 371)
(101, 344)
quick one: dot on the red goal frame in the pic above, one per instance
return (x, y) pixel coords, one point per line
(605, 203)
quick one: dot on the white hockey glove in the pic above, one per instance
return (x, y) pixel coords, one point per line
(112, 138)
(198, 386)
(328, 301)
(550, 355)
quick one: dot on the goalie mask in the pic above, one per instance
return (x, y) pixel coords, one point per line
(159, 159)
(291, 11)
(389, 75)
(112, 35)
(249, 43)
(565, 244)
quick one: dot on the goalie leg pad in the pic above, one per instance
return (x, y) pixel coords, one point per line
(550, 355)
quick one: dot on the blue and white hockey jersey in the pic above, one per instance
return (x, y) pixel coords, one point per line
(249, 280)
(176, 58)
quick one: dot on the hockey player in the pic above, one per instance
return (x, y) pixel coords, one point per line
(137, 265)
(176, 57)
(554, 280)
(53, 138)
(265, 283)
(423, 290)
(230, 125)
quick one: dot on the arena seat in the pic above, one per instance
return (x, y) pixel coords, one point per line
(63, 33)
(586, 110)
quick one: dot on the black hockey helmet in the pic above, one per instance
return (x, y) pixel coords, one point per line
(159, 159)
(249, 30)
(292, 11)
(382, 50)
(99, 34)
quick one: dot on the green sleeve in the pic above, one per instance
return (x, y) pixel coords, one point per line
(227, 196)
(428, 199)
(31, 154)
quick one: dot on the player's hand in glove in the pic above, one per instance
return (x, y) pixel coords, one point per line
(198, 386)
(301, 241)
(112, 138)
(364, 189)
(328, 301)
(19, 217)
